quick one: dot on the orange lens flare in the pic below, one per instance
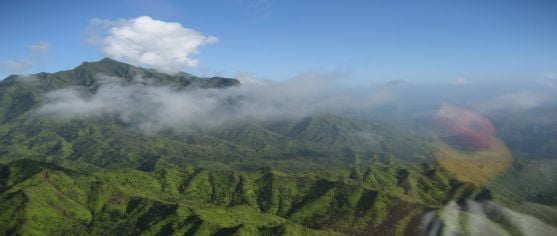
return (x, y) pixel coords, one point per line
(467, 147)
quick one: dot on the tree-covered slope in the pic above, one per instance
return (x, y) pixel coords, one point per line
(108, 141)
(320, 174)
(39, 197)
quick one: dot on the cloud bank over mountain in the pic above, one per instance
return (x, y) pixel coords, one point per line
(160, 107)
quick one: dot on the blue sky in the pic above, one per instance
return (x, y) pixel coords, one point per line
(369, 40)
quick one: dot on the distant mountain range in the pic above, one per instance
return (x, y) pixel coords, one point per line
(322, 174)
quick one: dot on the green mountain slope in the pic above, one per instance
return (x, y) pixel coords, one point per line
(107, 141)
(44, 198)
(318, 175)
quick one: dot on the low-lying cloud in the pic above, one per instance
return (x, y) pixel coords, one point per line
(516, 101)
(155, 108)
(147, 42)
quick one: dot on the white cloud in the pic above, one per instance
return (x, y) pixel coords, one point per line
(249, 78)
(516, 101)
(550, 79)
(153, 108)
(37, 50)
(261, 9)
(549, 75)
(17, 66)
(460, 81)
(40, 48)
(143, 41)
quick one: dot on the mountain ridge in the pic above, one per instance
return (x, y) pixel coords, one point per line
(317, 175)
(85, 74)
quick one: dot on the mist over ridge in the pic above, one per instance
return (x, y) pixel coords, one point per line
(142, 101)
(266, 117)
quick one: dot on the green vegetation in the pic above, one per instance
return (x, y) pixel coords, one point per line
(45, 198)
(320, 175)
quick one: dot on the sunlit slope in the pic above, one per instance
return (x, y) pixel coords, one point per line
(44, 198)
(478, 167)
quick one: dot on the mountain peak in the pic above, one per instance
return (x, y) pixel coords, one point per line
(88, 72)
(105, 62)
(108, 59)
